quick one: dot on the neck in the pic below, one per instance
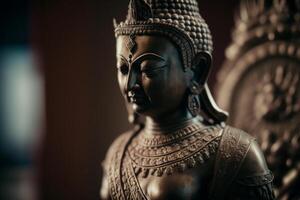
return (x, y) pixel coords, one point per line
(169, 123)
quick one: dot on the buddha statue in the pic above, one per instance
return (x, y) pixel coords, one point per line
(180, 146)
(262, 67)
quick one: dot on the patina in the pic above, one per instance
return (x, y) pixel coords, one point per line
(180, 147)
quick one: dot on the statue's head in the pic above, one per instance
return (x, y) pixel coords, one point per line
(163, 58)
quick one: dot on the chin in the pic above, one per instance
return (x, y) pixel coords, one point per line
(147, 111)
(141, 109)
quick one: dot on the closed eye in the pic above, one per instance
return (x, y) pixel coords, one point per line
(152, 71)
(124, 69)
(157, 68)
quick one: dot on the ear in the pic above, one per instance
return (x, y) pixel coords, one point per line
(201, 67)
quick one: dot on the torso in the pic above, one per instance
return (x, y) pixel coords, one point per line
(197, 162)
(190, 184)
(173, 166)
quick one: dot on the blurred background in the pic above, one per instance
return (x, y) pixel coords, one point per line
(60, 105)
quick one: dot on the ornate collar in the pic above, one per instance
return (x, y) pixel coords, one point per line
(165, 154)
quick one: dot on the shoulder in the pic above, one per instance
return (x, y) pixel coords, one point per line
(240, 164)
(253, 176)
(235, 144)
(114, 150)
(117, 143)
(252, 161)
(253, 170)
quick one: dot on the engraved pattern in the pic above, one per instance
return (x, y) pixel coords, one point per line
(176, 35)
(167, 154)
(132, 188)
(176, 152)
(131, 44)
(114, 159)
(182, 15)
(232, 146)
(231, 153)
(257, 180)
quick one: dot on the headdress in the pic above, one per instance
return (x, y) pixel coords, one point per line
(181, 22)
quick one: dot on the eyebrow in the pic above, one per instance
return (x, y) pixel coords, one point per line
(122, 57)
(143, 56)
(149, 55)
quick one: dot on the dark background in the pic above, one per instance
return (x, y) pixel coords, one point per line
(84, 111)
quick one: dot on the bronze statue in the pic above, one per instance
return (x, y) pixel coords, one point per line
(261, 78)
(180, 147)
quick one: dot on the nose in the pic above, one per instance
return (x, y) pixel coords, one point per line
(132, 80)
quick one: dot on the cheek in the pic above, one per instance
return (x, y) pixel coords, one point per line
(179, 85)
(175, 87)
(164, 89)
(156, 83)
(151, 86)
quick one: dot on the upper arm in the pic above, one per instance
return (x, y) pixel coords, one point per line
(254, 179)
(254, 162)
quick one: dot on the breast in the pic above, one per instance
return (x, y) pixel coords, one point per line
(178, 186)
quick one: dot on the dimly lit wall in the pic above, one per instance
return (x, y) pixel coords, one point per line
(84, 110)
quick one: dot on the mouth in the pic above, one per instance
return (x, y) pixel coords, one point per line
(136, 98)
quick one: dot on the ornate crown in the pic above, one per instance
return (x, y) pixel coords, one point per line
(179, 20)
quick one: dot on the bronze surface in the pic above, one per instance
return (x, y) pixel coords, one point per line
(181, 148)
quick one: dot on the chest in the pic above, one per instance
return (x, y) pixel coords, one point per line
(191, 184)
(169, 168)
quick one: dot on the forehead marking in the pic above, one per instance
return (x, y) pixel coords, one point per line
(131, 44)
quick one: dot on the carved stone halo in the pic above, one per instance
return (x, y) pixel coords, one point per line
(271, 106)
(160, 155)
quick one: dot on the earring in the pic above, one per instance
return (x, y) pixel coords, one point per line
(193, 99)
(194, 104)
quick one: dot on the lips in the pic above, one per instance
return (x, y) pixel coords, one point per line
(136, 98)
